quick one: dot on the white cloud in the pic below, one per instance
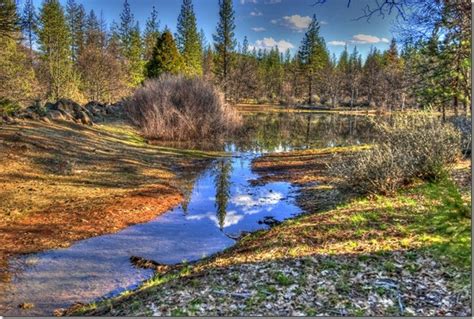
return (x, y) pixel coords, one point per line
(249, 204)
(231, 218)
(367, 39)
(337, 43)
(269, 43)
(256, 13)
(247, 1)
(297, 22)
(258, 29)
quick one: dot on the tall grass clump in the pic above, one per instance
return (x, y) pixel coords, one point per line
(177, 108)
(406, 148)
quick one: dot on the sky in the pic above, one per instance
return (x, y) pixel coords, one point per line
(268, 23)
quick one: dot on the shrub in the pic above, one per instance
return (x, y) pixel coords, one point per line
(406, 148)
(8, 107)
(179, 108)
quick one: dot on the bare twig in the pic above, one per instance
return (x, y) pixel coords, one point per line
(385, 7)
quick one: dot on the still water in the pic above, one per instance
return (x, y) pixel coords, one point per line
(222, 204)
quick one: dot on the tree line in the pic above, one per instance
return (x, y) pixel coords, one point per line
(54, 52)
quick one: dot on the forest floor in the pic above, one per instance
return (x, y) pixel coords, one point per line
(62, 182)
(408, 254)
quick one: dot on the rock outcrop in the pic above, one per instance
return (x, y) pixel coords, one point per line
(68, 110)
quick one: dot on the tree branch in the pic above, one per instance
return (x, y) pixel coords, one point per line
(382, 8)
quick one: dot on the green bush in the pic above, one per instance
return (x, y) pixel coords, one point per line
(407, 147)
(8, 107)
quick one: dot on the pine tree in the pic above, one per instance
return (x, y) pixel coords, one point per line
(372, 70)
(76, 20)
(126, 28)
(131, 45)
(392, 76)
(343, 63)
(113, 40)
(188, 40)
(245, 46)
(151, 34)
(166, 57)
(55, 45)
(354, 75)
(9, 21)
(313, 56)
(203, 39)
(208, 64)
(224, 42)
(29, 22)
(94, 33)
(135, 57)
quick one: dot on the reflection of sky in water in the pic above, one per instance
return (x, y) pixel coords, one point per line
(99, 266)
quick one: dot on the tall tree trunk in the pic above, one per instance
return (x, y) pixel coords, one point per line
(352, 97)
(455, 104)
(308, 129)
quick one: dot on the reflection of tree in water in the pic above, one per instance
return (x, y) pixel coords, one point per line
(222, 184)
(187, 184)
(293, 130)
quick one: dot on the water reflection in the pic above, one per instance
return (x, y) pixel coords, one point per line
(289, 131)
(222, 184)
(286, 131)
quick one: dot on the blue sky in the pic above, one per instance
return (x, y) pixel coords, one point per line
(268, 23)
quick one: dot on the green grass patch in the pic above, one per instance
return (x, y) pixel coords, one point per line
(283, 279)
(446, 227)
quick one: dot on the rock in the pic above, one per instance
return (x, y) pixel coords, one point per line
(45, 119)
(60, 312)
(67, 106)
(8, 119)
(56, 115)
(27, 114)
(26, 305)
(84, 118)
(269, 221)
(67, 116)
(96, 108)
(49, 106)
(71, 111)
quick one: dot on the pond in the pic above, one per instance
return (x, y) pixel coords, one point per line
(222, 204)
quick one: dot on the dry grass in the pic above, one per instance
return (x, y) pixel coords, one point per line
(177, 108)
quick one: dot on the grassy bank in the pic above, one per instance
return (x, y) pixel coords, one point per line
(61, 182)
(407, 254)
